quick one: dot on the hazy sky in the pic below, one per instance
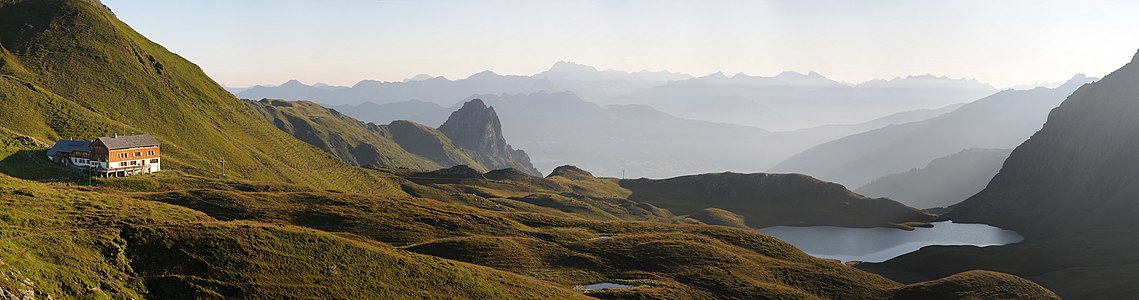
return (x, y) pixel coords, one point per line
(242, 43)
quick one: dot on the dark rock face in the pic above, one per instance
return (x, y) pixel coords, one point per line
(476, 127)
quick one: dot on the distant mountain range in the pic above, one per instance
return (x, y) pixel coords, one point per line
(792, 100)
(1002, 120)
(1071, 190)
(783, 102)
(943, 182)
(562, 76)
(561, 128)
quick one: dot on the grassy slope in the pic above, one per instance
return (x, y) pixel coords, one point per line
(66, 241)
(177, 235)
(520, 192)
(181, 234)
(72, 70)
(716, 216)
(347, 138)
(678, 260)
(428, 143)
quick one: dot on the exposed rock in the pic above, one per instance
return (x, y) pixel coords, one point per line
(476, 127)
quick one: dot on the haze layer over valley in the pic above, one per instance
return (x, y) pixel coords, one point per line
(127, 171)
(654, 124)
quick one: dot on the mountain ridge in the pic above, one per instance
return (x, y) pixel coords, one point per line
(1070, 190)
(1001, 120)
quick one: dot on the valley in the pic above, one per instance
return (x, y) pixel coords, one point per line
(571, 182)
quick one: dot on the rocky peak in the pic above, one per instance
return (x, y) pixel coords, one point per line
(476, 127)
(1076, 81)
(566, 67)
(293, 83)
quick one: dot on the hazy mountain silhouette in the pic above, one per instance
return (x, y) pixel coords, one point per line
(787, 101)
(1071, 190)
(589, 83)
(944, 182)
(419, 77)
(562, 76)
(561, 128)
(427, 113)
(826, 133)
(436, 89)
(792, 100)
(1002, 120)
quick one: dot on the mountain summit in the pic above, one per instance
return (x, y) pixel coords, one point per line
(476, 127)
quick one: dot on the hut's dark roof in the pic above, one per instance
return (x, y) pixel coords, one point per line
(128, 141)
(69, 146)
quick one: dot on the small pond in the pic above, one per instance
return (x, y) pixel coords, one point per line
(881, 244)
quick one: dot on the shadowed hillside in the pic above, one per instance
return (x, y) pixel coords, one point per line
(353, 141)
(773, 199)
(945, 181)
(1070, 190)
(1000, 121)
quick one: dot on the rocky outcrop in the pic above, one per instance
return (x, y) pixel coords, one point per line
(476, 127)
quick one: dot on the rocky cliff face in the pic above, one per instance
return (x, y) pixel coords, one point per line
(476, 127)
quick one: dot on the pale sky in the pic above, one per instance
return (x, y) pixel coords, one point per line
(1004, 43)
